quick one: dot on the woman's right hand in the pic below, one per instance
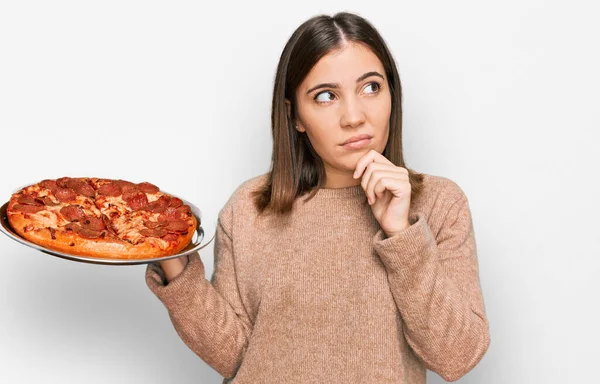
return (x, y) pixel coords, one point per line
(173, 267)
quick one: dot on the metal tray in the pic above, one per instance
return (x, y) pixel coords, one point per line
(195, 245)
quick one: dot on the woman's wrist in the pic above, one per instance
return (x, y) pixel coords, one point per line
(173, 267)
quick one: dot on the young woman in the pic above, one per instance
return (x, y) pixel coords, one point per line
(339, 265)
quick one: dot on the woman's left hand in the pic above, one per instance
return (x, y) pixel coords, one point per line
(388, 190)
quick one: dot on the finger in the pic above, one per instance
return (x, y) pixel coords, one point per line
(394, 185)
(372, 192)
(371, 167)
(370, 157)
(368, 182)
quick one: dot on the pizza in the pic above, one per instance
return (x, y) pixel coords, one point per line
(103, 218)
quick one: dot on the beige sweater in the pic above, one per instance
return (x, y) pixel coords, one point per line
(325, 297)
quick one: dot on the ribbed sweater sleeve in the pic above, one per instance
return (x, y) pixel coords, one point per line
(435, 283)
(208, 316)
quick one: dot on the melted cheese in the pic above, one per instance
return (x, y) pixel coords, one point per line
(159, 243)
(47, 218)
(154, 196)
(128, 227)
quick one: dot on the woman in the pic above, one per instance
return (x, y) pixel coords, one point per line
(339, 265)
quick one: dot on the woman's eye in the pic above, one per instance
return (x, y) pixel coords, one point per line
(324, 97)
(372, 88)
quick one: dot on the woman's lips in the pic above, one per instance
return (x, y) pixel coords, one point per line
(357, 144)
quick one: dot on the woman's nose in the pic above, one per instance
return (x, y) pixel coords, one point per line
(352, 113)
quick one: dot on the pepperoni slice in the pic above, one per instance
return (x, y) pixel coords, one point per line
(93, 223)
(110, 189)
(175, 202)
(125, 185)
(147, 187)
(179, 213)
(171, 213)
(49, 184)
(156, 232)
(170, 237)
(173, 216)
(62, 182)
(86, 190)
(65, 194)
(85, 232)
(154, 224)
(73, 227)
(78, 185)
(72, 212)
(28, 200)
(135, 199)
(68, 182)
(177, 226)
(26, 208)
(158, 206)
(184, 210)
(46, 200)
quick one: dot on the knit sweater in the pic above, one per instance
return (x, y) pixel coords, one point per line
(324, 296)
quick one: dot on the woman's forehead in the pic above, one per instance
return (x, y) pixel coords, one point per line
(343, 66)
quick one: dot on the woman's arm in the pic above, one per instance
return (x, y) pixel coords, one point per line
(209, 316)
(435, 284)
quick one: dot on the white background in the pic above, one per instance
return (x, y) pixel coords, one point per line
(501, 97)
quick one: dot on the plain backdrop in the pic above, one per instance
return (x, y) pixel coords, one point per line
(501, 97)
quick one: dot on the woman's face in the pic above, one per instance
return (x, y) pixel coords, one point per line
(345, 95)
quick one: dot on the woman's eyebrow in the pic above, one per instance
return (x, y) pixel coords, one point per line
(336, 85)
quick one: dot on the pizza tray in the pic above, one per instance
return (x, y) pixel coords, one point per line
(195, 245)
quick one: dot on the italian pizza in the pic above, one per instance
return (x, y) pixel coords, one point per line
(99, 217)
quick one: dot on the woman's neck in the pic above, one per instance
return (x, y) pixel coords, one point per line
(339, 179)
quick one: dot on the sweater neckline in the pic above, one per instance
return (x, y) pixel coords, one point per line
(354, 190)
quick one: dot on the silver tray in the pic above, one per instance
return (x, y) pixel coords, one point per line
(195, 245)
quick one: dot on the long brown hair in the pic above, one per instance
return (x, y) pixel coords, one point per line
(296, 168)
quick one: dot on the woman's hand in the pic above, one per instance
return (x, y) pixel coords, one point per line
(388, 190)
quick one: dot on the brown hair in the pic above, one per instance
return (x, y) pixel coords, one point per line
(296, 168)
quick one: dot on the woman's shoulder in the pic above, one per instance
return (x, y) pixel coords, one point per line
(241, 201)
(438, 194)
(441, 187)
(244, 193)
